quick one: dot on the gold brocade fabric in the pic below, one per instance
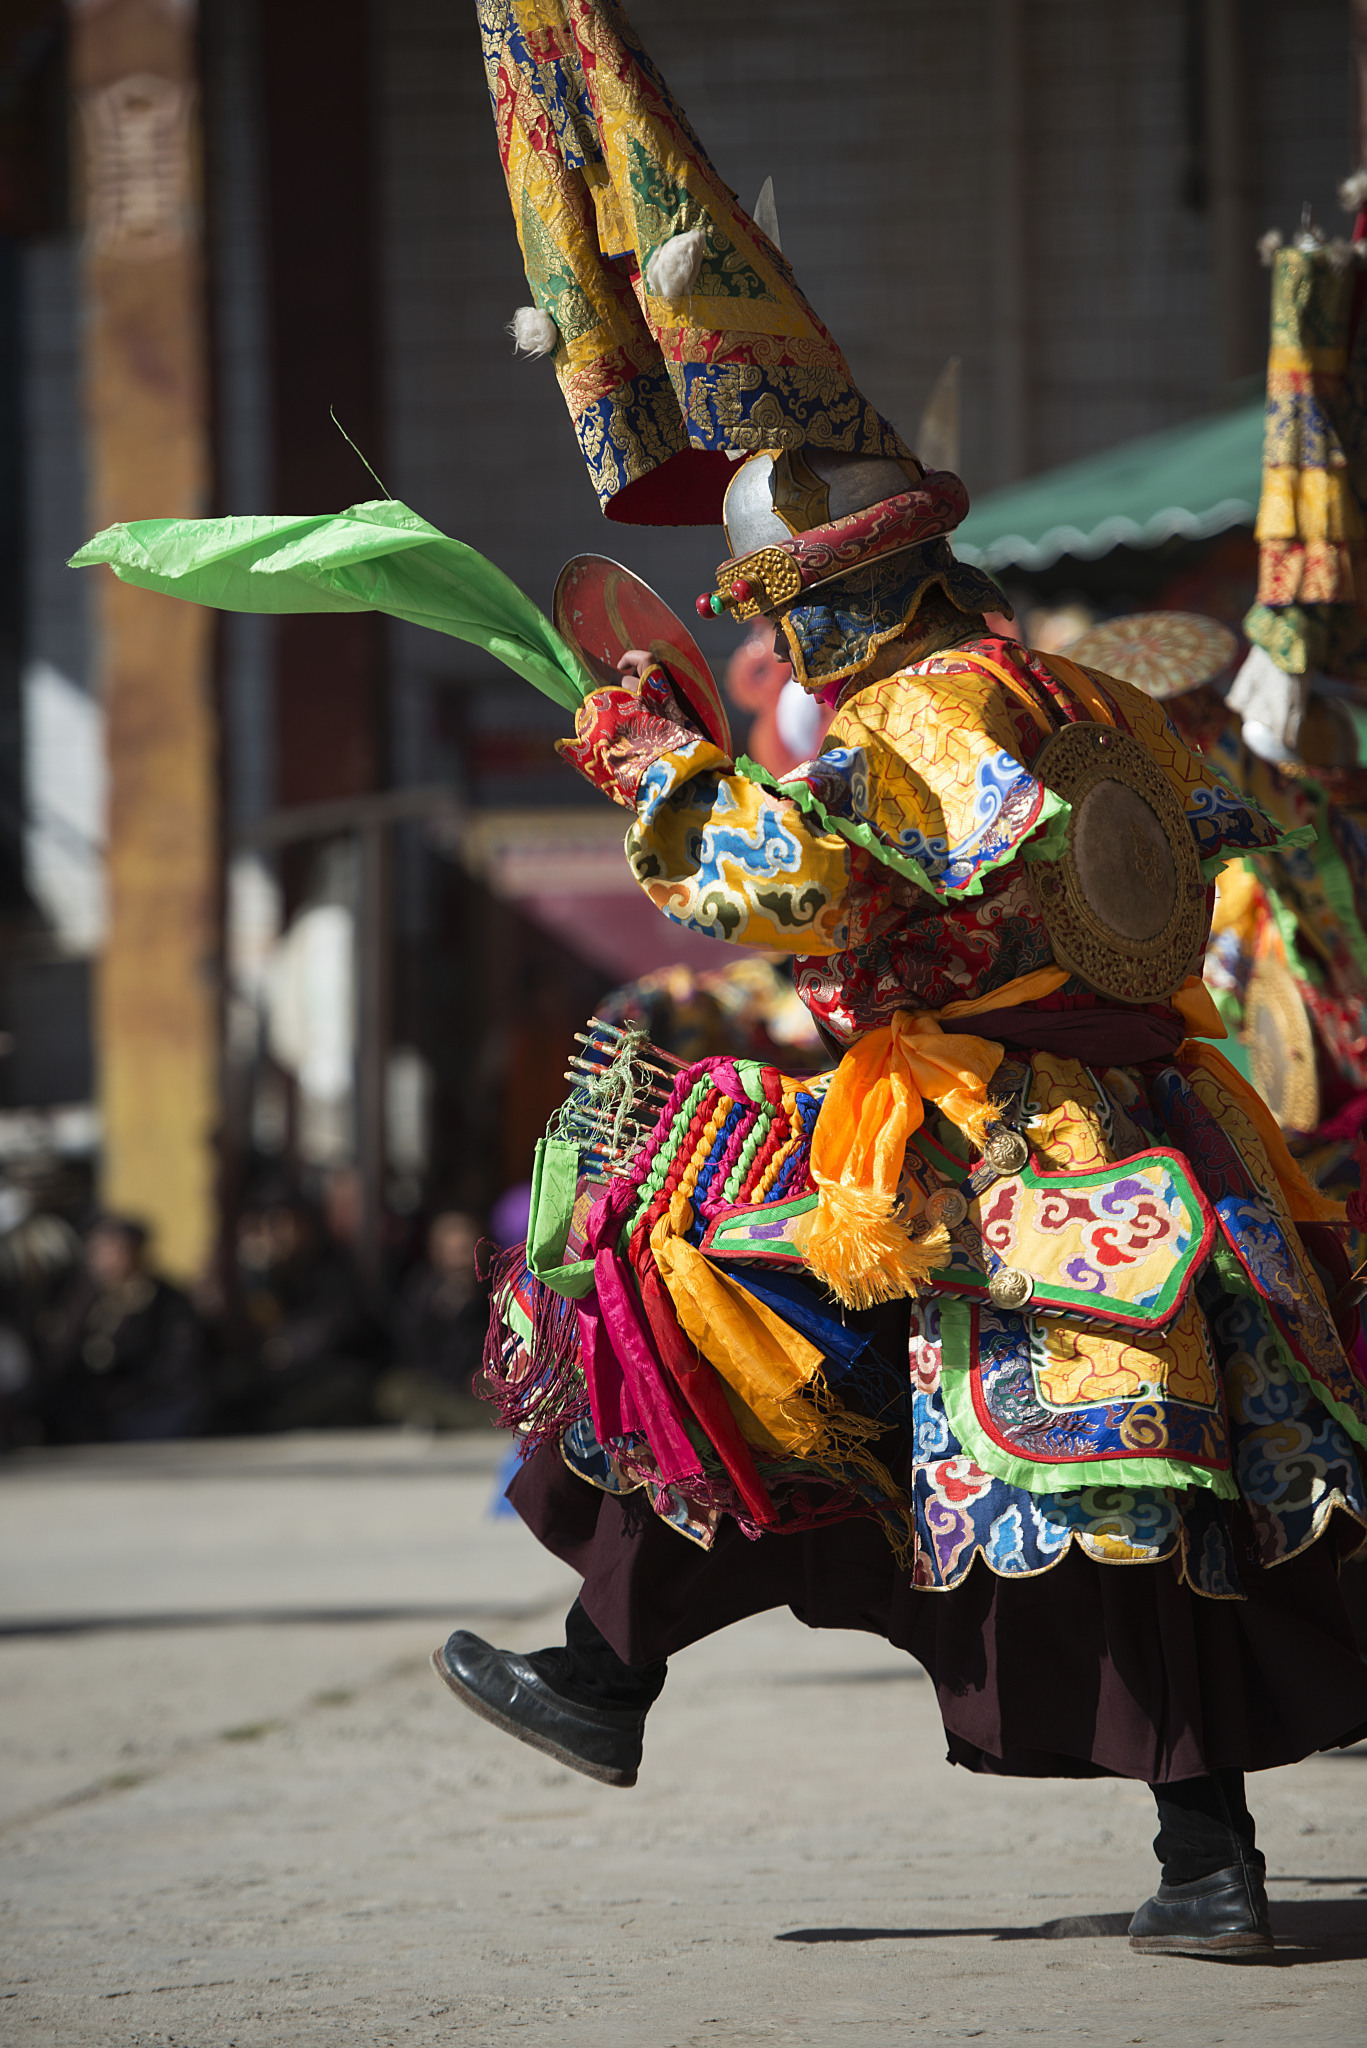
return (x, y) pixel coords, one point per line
(603, 170)
(1310, 525)
(766, 1365)
(1311, 609)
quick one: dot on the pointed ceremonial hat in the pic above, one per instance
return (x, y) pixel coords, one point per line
(679, 330)
(1311, 608)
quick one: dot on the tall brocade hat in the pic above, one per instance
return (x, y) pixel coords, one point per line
(1311, 608)
(680, 338)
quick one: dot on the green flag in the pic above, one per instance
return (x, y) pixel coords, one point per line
(375, 557)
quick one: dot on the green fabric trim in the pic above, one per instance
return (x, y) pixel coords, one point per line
(1292, 634)
(1350, 1418)
(1214, 863)
(654, 1181)
(1337, 884)
(955, 1360)
(1230, 1272)
(1288, 932)
(1052, 842)
(945, 1148)
(1230, 1008)
(377, 556)
(727, 1237)
(516, 1317)
(1054, 814)
(1358, 718)
(1111, 1309)
(555, 1178)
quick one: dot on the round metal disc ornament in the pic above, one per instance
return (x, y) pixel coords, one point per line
(1125, 906)
(1164, 654)
(1006, 1152)
(1281, 1045)
(946, 1207)
(604, 610)
(1010, 1287)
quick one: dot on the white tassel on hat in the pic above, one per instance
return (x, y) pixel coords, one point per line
(534, 332)
(1268, 246)
(673, 270)
(1353, 191)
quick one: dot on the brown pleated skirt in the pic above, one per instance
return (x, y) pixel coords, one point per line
(1084, 1670)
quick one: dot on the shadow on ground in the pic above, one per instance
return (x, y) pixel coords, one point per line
(1307, 1930)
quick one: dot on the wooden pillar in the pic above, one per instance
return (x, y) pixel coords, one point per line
(316, 97)
(1240, 287)
(133, 69)
(317, 77)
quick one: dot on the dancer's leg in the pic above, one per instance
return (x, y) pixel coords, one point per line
(581, 1704)
(1212, 1899)
(589, 1671)
(1204, 1825)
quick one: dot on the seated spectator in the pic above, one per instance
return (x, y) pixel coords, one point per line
(440, 1322)
(121, 1352)
(38, 1254)
(308, 1348)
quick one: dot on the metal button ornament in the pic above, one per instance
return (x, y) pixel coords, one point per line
(1010, 1287)
(946, 1206)
(1006, 1152)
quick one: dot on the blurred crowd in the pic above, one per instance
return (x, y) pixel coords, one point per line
(96, 1346)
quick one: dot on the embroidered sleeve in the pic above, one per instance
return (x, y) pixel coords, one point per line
(926, 771)
(930, 771)
(720, 854)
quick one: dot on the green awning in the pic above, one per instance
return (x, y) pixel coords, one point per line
(1188, 482)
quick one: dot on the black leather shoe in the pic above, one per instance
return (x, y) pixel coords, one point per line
(1223, 1915)
(503, 1688)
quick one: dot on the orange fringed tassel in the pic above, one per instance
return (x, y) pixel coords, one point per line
(858, 1244)
(974, 1119)
(857, 1241)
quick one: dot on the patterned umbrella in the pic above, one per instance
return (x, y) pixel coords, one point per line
(1165, 654)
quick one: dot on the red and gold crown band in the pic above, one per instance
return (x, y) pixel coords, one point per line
(772, 577)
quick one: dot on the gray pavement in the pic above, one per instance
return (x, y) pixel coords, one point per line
(238, 1809)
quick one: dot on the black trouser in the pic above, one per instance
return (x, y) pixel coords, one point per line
(589, 1670)
(1203, 1823)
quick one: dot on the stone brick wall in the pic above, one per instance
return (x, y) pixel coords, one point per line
(875, 120)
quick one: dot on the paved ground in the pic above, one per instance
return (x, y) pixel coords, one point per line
(222, 1830)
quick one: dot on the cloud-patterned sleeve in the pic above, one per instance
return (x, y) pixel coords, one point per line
(720, 853)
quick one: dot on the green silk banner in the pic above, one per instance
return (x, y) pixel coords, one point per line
(379, 557)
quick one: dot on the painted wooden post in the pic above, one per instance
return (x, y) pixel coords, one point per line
(134, 74)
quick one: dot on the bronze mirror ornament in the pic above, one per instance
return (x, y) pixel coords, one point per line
(1125, 905)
